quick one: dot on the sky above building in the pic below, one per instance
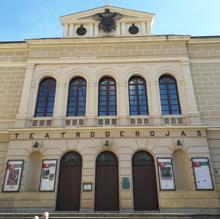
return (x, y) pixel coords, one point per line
(26, 19)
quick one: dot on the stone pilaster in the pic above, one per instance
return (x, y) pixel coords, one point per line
(154, 103)
(192, 109)
(91, 103)
(60, 105)
(122, 103)
(22, 116)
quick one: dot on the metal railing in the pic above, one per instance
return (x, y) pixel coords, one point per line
(7, 205)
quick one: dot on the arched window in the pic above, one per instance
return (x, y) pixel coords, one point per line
(138, 96)
(169, 96)
(107, 97)
(77, 97)
(106, 157)
(45, 99)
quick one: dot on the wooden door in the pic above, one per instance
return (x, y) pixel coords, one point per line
(106, 187)
(68, 197)
(144, 182)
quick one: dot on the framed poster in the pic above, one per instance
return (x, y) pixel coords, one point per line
(126, 184)
(166, 176)
(202, 174)
(13, 175)
(48, 175)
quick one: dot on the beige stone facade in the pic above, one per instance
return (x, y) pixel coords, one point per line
(193, 61)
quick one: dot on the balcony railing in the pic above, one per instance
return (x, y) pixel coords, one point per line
(42, 122)
(173, 120)
(75, 121)
(106, 121)
(139, 120)
(6, 205)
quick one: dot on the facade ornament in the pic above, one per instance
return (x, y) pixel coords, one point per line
(133, 29)
(81, 30)
(107, 20)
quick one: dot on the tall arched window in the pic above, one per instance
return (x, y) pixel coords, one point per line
(107, 97)
(169, 96)
(45, 99)
(138, 96)
(77, 97)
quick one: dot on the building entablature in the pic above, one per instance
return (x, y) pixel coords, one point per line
(94, 40)
(107, 133)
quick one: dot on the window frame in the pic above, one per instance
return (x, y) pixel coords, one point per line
(107, 96)
(169, 104)
(46, 97)
(138, 95)
(76, 108)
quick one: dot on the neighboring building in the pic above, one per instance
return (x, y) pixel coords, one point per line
(110, 117)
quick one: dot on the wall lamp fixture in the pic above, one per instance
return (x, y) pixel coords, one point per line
(179, 142)
(106, 143)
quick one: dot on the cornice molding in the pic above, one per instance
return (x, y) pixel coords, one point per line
(204, 40)
(13, 45)
(98, 40)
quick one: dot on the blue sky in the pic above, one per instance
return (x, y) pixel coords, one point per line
(26, 19)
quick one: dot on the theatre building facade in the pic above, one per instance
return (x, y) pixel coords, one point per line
(110, 117)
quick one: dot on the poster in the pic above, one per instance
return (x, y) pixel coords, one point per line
(13, 175)
(165, 170)
(202, 173)
(48, 175)
(126, 183)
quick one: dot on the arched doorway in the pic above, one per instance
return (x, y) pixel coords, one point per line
(106, 185)
(68, 197)
(144, 182)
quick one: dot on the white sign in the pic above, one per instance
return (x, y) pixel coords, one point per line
(87, 186)
(48, 175)
(165, 170)
(13, 175)
(202, 173)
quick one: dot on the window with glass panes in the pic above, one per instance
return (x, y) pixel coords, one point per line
(169, 96)
(46, 97)
(138, 96)
(107, 97)
(77, 97)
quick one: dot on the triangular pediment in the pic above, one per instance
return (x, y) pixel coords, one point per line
(83, 24)
(88, 14)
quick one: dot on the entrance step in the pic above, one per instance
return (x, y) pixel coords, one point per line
(68, 215)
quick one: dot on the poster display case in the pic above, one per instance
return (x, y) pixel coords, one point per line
(166, 176)
(48, 175)
(13, 175)
(202, 173)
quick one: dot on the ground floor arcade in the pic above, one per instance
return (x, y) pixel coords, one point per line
(109, 169)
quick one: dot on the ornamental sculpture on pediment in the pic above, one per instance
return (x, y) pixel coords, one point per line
(107, 20)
